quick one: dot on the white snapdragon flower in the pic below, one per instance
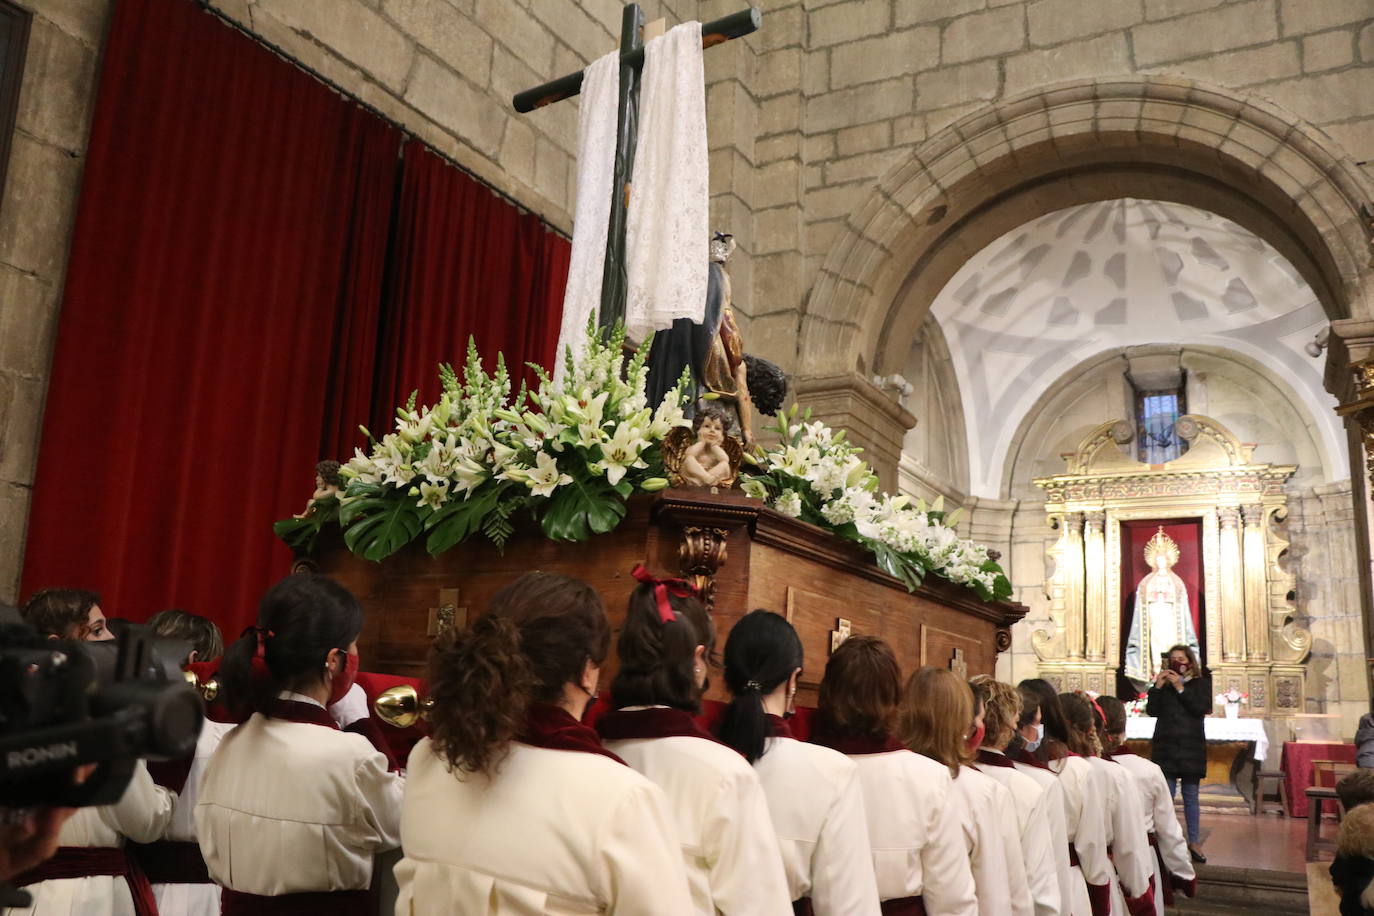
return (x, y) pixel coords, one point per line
(789, 503)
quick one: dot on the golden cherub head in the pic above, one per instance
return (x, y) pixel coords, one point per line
(1161, 546)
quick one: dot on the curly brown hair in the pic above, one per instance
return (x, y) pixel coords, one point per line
(1082, 724)
(1001, 709)
(537, 635)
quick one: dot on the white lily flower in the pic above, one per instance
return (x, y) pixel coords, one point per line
(468, 475)
(433, 495)
(544, 477)
(622, 452)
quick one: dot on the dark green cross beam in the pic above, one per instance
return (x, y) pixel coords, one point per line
(721, 30)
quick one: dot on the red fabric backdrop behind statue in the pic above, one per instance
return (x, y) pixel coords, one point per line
(466, 263)
(220, 330)
(1135, 534)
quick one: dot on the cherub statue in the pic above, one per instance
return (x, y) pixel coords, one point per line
(327, 483)
(704, 456)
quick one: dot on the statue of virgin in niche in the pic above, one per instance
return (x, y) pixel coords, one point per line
(1162, 618)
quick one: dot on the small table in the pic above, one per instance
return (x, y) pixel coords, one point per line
(1297, 767)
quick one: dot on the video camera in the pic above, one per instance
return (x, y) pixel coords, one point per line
(64, 704)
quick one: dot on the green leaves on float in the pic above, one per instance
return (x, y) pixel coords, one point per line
(376, 526)
(582, 508)
(301, 533)
(459, 519)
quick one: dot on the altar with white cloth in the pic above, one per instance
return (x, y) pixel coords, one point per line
(1236, 750)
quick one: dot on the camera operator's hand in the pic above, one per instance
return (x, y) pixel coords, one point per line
(351, 708)
(31, 841)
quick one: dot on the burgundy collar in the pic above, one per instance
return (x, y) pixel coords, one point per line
(1122, 751)
(554, 728)
(654, 722)
(855, 745)
(779, 726)
(296, 711)
(994, 759)
(1029, 759)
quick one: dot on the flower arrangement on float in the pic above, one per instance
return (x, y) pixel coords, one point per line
(573, 451)
(1136, 708)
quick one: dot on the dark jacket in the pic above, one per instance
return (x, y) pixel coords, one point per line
(1180, 744)
(1364, 742)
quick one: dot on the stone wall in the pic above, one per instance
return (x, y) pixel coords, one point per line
(36, 217)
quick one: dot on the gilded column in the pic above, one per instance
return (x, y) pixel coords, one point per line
(1095, 586)
(1232, 580)
(1256, 584)
(1072, 558)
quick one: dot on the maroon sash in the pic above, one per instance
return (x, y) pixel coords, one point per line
(554, 728)
(994, 759)
(89, 862)
(171, 862)
(335, 903)
(901, 906)
(655, 722)
(1024, 756)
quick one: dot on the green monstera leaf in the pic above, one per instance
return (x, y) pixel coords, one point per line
(375, 527)
(461, 518)
(582, 508)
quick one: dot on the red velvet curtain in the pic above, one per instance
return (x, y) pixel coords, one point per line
(464, 262)
(1135, 534)
(233, 215)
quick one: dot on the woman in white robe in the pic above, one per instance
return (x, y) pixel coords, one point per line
(1084, 808)
(512, 805)
(298, 799)
(1039, 813)
(940, 721)
(813, 792)
(1127, 842)
(1173, 867)
(915, 820)
(730, 852)
(140, 816)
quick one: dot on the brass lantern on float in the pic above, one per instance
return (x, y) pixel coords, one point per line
(401, 706)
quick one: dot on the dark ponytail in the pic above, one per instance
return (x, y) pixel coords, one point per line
(300, 620)
(537, 635)
(761, 653)
(658, 658)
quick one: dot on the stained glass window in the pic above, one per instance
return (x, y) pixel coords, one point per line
(1156, 414)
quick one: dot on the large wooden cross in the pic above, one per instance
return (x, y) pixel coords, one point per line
(721, 30)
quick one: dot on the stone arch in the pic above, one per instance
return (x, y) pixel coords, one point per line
(1160, 137)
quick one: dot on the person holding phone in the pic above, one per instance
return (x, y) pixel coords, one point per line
(1179, 700)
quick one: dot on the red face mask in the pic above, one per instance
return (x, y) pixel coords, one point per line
(344, 679)
(1180, 667)
(975, 740)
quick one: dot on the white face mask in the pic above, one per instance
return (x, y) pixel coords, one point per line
(1039, 737)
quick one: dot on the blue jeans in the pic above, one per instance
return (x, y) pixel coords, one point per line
(1192, 811)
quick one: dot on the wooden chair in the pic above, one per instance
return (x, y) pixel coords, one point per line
(1325, 775)
(1264, 797)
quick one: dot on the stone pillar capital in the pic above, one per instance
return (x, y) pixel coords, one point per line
(1229, 516)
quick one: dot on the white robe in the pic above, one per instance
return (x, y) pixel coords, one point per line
(191, 899)
(1157, 805)
(1053, 803)
(141, 815)
(915, 833)
(994, 846)
(1127, 837)
(733, 862)
(1040, 847)
(817, 809)
(289, 807)
(552, 831)
(1085, 821)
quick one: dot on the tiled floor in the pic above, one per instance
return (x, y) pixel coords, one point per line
(1268, 841)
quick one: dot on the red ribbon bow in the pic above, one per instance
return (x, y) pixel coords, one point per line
(678, 588)
(262, 634)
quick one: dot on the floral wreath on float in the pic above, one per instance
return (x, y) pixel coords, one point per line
(572, 452)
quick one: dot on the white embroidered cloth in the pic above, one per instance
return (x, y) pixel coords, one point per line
(668, 235)
(1216, 728)
(595, 171)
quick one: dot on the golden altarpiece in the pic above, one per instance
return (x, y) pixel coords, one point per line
(1249, 639)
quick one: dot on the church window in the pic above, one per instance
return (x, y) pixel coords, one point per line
(1156, 416)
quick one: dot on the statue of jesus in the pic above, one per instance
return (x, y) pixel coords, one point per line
(1162, 617)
